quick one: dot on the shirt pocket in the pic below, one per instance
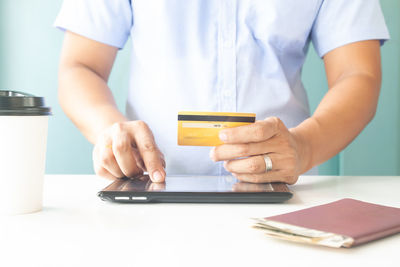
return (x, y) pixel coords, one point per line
(283, 25)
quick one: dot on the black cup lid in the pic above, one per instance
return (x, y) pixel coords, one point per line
(13, 103)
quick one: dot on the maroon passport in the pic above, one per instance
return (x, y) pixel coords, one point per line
(355, 221)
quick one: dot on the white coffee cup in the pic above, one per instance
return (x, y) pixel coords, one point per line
(23, 136)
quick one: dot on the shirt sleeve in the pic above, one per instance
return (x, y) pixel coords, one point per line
(105, 21)
(340, 22)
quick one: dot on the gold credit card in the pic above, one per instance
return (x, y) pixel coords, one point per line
(202, 128)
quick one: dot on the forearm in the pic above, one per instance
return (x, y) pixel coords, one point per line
(87, 100)
(342, 114)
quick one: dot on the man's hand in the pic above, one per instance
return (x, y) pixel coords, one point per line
(245, 146)
(127, 149)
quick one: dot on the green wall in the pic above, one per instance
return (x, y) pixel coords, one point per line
(29, 52)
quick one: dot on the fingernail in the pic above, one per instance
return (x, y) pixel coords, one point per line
(225, 164)
(157, 177)
(212, 153)
(222, 136)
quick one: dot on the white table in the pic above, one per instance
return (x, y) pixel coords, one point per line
(76, 228)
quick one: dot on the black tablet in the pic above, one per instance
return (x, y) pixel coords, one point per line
(193, 189)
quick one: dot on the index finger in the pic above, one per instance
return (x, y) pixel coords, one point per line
(151, 155)
(255, 132)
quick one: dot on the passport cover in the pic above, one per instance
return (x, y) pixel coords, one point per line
(343, 223)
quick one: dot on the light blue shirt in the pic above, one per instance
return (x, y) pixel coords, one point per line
(219, 55)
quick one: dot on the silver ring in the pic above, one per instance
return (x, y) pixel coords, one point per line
(268, 163)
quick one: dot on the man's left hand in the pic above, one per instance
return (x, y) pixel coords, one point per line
(244, 149)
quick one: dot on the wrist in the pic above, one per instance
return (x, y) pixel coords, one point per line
(105, 119)
(304, 146)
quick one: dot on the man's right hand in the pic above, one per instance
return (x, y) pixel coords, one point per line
(127, 149)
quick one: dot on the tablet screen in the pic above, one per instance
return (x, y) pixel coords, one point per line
(192, 184)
